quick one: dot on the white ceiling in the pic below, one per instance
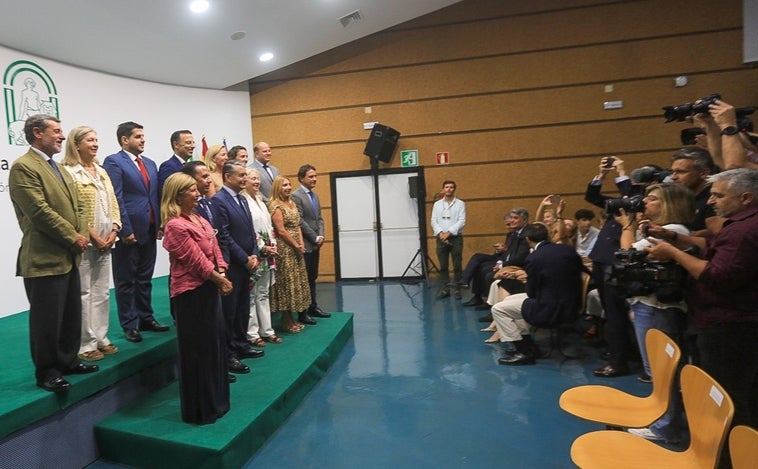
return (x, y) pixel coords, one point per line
(163, 41)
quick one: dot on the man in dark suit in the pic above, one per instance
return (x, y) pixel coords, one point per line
(261, 163)
(239, 246)
(312, 226)
(135, 182)
(183, 144)
(49, 214)
(618, 326)
(553, 295)
(199, 171)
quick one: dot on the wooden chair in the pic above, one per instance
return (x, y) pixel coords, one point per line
(743, 447)
(709, 414)
(615, 408)
(557, 333)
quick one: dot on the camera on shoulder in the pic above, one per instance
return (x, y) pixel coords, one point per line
(638, 276)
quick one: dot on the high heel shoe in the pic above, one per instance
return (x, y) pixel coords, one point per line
(492, 340)
(488, 329)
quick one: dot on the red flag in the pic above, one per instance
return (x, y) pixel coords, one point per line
(205, 146)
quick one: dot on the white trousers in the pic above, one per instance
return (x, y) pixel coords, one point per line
(507, 316)
(94, 273)
(259, 324)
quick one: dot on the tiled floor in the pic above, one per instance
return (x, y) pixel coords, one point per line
(417, 387)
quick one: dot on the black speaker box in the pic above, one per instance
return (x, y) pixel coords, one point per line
(381, 143)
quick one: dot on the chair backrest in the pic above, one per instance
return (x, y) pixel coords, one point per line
(743, 447)
(664, 356)
(709, 414)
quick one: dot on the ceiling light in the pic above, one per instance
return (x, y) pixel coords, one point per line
(238, 35)
(199, 6)
(266, 57)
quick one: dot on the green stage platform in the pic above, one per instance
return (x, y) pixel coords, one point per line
(22, 403)
(151, 433)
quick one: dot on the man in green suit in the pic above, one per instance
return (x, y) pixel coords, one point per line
(53, 237)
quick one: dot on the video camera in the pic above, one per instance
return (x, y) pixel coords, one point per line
(640, 277)
(683, 111)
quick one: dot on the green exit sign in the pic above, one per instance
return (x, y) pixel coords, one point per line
(408, 158)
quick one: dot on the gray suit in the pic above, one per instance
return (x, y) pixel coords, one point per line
(312, 225)
(266, 179)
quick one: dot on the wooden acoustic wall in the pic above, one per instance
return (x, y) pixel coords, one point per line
(514, 91)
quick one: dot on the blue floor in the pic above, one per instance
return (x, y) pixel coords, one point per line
(417, 387)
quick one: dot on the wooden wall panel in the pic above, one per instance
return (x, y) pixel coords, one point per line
(513, 91)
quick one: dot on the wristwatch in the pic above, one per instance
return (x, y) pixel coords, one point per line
(730, 130)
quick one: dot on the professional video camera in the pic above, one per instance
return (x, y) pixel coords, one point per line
(683, 111)
(640, 277)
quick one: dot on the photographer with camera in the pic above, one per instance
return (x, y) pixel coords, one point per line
(603, 259)
(723, 297)
(655, 303)
(725, 132)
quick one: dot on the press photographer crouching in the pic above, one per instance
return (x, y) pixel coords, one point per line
(723, 297)
(655, 289)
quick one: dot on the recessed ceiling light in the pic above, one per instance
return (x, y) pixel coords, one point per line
(199, 6)
(266, 57)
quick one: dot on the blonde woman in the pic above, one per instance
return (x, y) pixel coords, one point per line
(259, 329)
(291, 293)
(215, 158)
(103, 220)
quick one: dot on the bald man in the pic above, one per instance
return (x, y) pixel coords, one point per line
(261, 163)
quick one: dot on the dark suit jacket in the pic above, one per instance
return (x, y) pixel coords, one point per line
(134, 199)
(516, 253)
(554, 285)
(236, 233)
(311, 222)
(49, 214)
(167, 168)
(608, 240)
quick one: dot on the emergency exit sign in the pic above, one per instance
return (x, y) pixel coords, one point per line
(408, 158)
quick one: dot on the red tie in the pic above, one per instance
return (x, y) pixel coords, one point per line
(146, 179)
(143, 170)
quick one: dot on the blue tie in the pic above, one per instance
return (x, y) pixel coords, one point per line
(55, 168)
(205, 206)
(313, 202)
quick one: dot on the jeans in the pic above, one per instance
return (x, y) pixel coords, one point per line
(672, 424)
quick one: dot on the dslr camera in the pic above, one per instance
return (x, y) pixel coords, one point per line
(640, 277)
(683, 111)
(632, 204)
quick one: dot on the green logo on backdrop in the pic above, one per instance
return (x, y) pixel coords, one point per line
(28, 89)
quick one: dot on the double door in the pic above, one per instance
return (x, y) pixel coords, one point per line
(379, 221)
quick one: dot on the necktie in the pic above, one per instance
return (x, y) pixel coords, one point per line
(146, 180)
(243, 204)
(55, 168)
(313, 202)
(143, 170)
(205, 207)
(268, 171)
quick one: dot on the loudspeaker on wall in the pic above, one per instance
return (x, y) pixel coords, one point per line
(382, 142)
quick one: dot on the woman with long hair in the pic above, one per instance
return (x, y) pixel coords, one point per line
(103, 219)
(290, 293)
(197, 278)
(215, 158)
(671, 206)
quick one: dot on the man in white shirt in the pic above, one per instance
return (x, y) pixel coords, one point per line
(448, 220)
(586, 234)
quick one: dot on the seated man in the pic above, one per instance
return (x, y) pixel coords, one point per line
(553, 295)
(481, 268)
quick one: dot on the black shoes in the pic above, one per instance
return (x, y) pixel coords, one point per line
(610, 371)
(152, 326)
(81, 369)
(317, 312)
(236, 366)
(251, 353)
(517, 359)
(475, 300)
(57, 384)
(306, 318)
(133, 335)
(231, 378)
(443, 294)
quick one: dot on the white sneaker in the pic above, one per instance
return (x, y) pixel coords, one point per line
(645, 433)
